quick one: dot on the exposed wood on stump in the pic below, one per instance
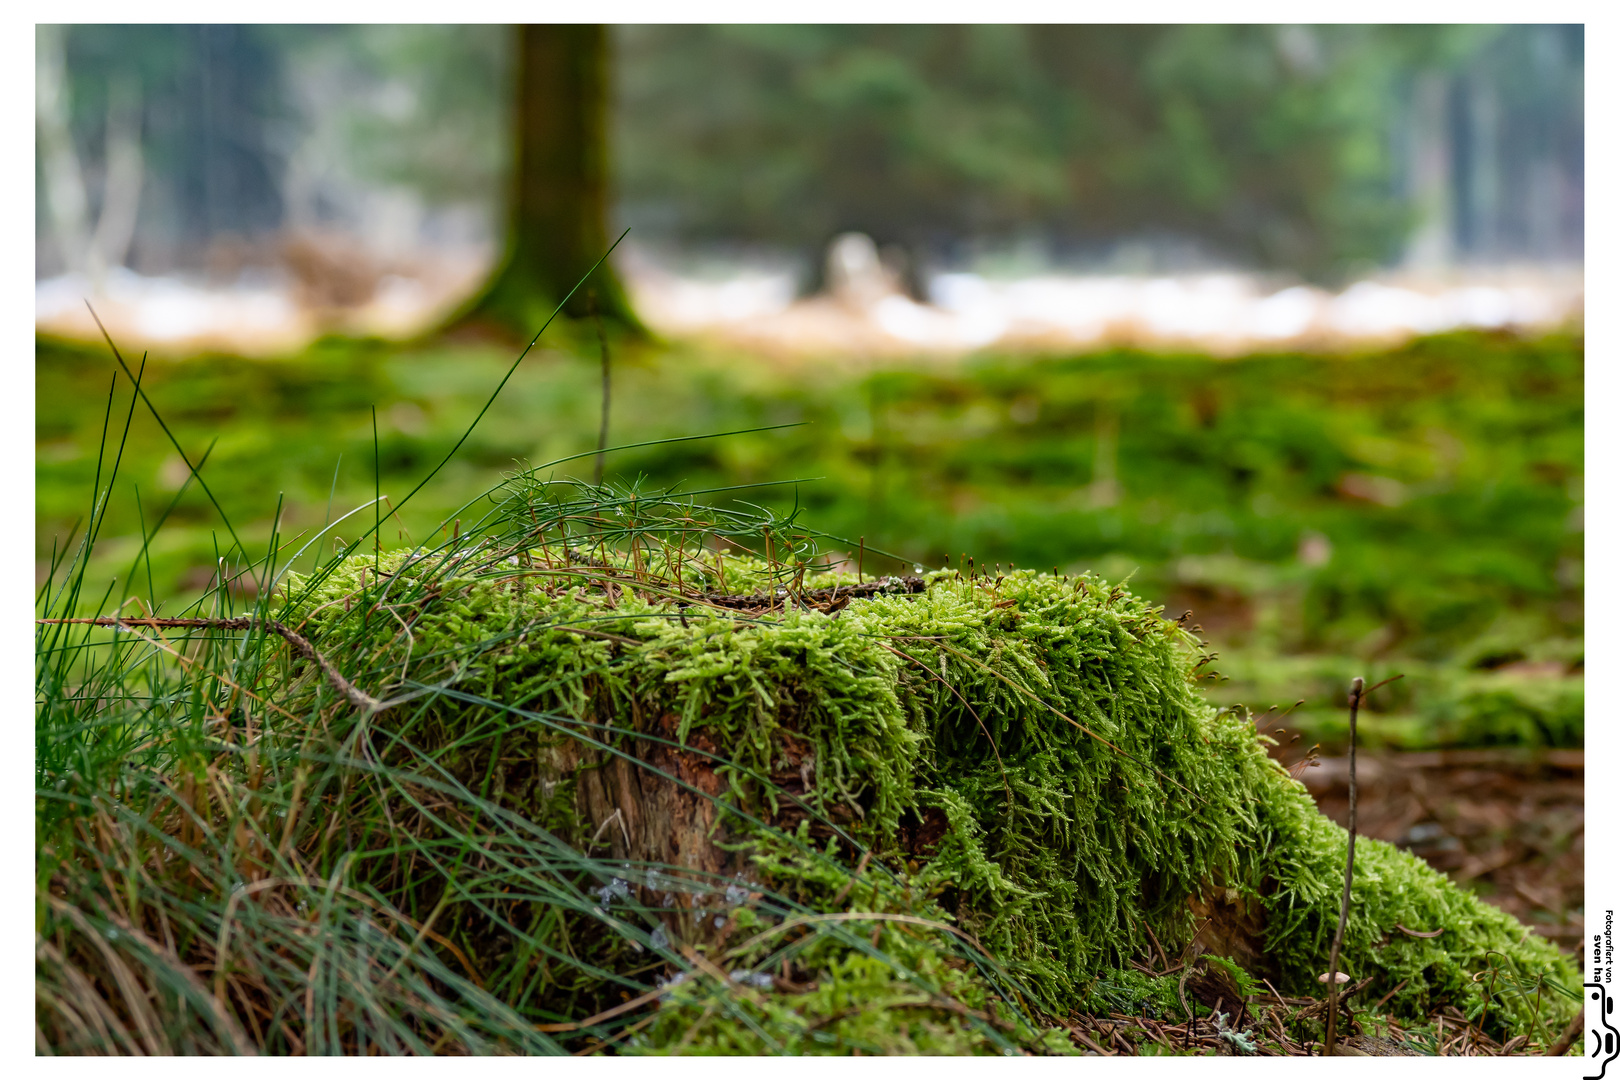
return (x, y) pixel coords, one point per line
(1233, 927)
(658, 820)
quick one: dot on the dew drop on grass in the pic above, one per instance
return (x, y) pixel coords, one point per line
(660, 940)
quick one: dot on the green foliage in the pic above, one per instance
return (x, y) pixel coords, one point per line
(1239, 487)
(1273, 145)
(1391, 886)
(1048, 724)
(1084, 787)
(902, 987)
(1128, 991)
(1245, 982)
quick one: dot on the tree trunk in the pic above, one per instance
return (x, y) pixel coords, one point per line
(64, 179)
(557, 200)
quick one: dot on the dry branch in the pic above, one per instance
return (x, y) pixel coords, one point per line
(355, 696)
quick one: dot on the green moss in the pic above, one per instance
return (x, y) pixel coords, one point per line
(1510, 710)
(879, 987)
(1132, 993)
(1051, 728)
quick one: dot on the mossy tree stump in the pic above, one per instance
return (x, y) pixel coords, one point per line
(1027, 755)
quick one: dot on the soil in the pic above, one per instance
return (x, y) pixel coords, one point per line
(1508, 824)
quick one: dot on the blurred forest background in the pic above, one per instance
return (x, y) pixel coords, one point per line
(1319, 151)
(1398, 505)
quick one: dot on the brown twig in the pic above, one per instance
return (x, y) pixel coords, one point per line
(1356, 685)
(889, 586)
(1577, 1024)
(1181, 992)
(1087, 1041)
(1164, 956)
(1392, 993)
(1273, 990)
(1282, 1033)
(355, 696)
(860, 868)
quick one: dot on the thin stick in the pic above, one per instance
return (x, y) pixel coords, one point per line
(1349, 870)
(1163, 956)
(1385, 999)
(356, 697)
(1576, 1024)
(376, 473)
(607, 387)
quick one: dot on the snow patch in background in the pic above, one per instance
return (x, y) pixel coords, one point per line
(261, 313)
(1235, 311)
(863, 312)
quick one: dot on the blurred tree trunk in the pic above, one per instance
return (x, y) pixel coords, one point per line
(64, 186)
(556, 224)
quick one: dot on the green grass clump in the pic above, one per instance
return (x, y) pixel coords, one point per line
(1050, 726)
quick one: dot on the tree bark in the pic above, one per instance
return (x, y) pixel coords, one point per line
(556, 225)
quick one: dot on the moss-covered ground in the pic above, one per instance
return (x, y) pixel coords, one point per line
(982, 810)
(1082, 790)
(1413, 509)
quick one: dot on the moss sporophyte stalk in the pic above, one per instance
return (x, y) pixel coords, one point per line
(907, 816)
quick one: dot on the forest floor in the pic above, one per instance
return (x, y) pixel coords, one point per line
(1508, 823)
(1415, 512)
